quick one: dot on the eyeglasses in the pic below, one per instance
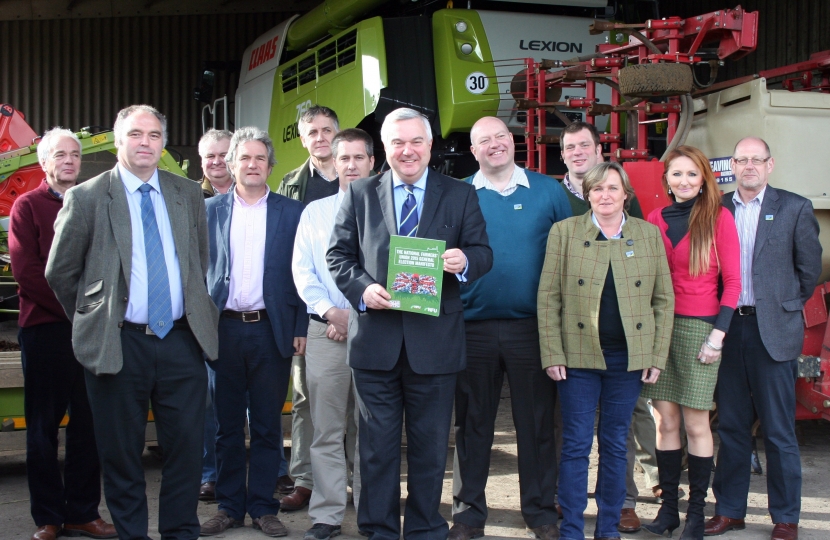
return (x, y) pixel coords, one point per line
(755, 161)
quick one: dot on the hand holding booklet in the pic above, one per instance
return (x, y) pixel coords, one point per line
(416, 274)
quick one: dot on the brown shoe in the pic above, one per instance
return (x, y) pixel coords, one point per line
(629, 522)
(94, 529)
(47, 532)
(207, 492)
(462, 531)
(220, 523)
(271, 525)
(545, 532)
(785, 531)
(720, 524)
(296, 500)
(285, 485)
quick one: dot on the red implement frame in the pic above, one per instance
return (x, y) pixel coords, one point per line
(16, 135)
(676, 40)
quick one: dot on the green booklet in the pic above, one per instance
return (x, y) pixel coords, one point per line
(416, 273)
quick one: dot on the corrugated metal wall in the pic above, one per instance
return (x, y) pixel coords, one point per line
(788, 31)
(80, 72)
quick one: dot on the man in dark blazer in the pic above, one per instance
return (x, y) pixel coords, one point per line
(780, 264)
(262, 325)
(128, 266)
(405, 363)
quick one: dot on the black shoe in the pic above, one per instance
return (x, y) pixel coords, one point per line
(285, 485)
(321, 531)
(545, 532)
(462, 531)
(207, 491)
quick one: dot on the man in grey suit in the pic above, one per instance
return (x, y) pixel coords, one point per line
(780, 263)
(405, 363)
(128, 265)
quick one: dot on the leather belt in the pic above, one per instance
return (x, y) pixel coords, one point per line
(246, 316)
(315, 317)
(745, 310)
(145, 329)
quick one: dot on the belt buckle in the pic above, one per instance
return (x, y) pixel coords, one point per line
(245, 315)
(149, 331)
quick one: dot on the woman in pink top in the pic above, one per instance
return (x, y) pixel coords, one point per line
(702, 246)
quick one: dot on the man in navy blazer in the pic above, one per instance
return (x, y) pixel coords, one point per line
(780, 264)
(262, 325)
(405, 363)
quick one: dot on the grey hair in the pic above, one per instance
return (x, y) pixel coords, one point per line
(50, 140)
(251, 133)
(126, 112)
(399, 115)
(352, 135)
(309, 114)
(212, 136)
(599, 173)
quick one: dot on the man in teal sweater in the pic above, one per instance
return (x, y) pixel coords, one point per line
(520, 207)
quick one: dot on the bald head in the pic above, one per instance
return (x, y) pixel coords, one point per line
(752, 163)
(492, 146)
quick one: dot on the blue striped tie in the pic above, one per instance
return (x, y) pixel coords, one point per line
(409, 213)
(158, 285)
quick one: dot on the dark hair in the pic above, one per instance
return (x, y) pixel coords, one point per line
(704, 216)
(309, 114)
(352, 135)
(576, 127)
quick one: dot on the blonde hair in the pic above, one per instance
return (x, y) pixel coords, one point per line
(599, 174)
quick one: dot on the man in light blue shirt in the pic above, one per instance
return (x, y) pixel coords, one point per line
(128, 265)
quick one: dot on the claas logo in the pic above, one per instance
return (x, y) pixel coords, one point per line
(263, 53)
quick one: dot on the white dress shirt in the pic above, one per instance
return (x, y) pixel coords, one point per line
(137, 308)
(518, 178)
(311, 273)
(746, 221)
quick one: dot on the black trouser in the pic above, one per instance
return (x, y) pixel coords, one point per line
(54, 384)
(385, 399)
(749, 377)
(171, 374)
(496, 347)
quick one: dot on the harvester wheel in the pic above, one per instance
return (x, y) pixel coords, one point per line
(647, 80)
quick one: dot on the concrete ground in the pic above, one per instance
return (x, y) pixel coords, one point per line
(505, 518)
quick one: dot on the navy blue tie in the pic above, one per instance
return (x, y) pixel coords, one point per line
(409, 213)
(159, 304)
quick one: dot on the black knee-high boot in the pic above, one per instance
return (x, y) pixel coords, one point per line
(668, 468)
(700, 469)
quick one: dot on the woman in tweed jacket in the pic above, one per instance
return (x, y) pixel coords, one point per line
(605, 309)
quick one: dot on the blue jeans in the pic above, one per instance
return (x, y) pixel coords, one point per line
(209, 457)
(250, 375)
(616, 391)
